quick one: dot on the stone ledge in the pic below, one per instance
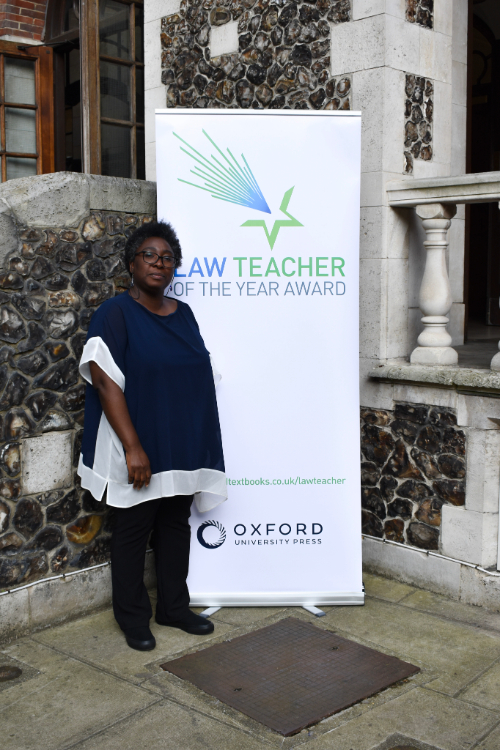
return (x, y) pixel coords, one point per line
(43, 604)
(63, 199)
(482, 187)
(482, 382)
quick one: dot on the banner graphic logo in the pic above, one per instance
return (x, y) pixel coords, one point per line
(211, 545)
(234, 183)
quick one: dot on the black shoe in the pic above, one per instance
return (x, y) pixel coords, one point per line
(190, 623)
(142, 639)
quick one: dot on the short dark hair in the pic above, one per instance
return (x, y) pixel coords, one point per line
(153, 229)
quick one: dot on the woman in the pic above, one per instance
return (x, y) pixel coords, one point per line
(152, 434)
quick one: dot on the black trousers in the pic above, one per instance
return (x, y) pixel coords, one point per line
(168, 518)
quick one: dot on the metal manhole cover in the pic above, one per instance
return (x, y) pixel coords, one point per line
(9, 673)
(291, 674)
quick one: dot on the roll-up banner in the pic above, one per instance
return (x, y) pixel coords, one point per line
(266, 206)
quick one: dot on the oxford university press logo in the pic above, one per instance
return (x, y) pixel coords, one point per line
(211, 525)
(227, 180)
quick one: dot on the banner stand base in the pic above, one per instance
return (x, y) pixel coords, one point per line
(314, 610)
(209, 611)
(277, 599)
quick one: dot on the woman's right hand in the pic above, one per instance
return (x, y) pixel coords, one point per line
(139, 469)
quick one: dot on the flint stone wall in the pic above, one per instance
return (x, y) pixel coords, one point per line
(282, 61)
(419, 115)
(61, 242)
(421, 12)
(413, 463)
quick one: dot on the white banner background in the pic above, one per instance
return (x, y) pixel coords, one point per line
(289, 394)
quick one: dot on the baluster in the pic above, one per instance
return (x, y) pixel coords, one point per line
(435, 293)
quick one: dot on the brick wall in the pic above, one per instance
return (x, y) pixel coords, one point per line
(22, 18)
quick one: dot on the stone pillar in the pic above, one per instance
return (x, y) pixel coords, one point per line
(435, 292)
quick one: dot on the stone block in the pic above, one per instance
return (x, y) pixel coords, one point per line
(459, 83)
(396, 8)
(61, 199)
(431, 572)
(373, 309)
(414, 327)
(426, 169)
(435, 56)
(153, 99)
(358, 45)
(367, 8)
(417, 255)
(443, 17)
(470, 536)
(373, 394)
(442, 123)
(393, 122)
(479, 412)
(458, 139)
(224, 39)
(456, 326)
(460, 22)
(14, 614)
(373, 186)
(366, 98)
(61, 599)
(9, 241)
(151, 161)
(456, 250)
(152, 56)
(115, 193)
(46, 462)
(371, 230)
(385, 232)
(397, 308)
(483, 470)
(402, 45)
(396, 235)
(479, 589)
(157, 9)
(414, 394)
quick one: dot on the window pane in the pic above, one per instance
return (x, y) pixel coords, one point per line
(115, 91)
(71, 15)
(139, 94)
(72, 116)
(20, 130)
(139, 34)
(115, 154)
(141, 159)
(18, 167)
(19, 81)
(114, 28)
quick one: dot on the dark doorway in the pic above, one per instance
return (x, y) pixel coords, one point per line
(484, 156)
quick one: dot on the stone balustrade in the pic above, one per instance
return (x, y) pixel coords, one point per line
(435, 202)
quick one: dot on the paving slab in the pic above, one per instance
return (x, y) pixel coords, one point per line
(491, 742)
(426, 601)
(385, 588)
(249, 615)
(172, 727)
(441, 722)
(457, 651)
(63, 704)
(99, 641)
(485, 691)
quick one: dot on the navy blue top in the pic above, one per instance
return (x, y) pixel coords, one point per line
(169, 385)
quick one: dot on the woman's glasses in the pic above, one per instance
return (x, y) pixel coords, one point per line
(168, 261)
